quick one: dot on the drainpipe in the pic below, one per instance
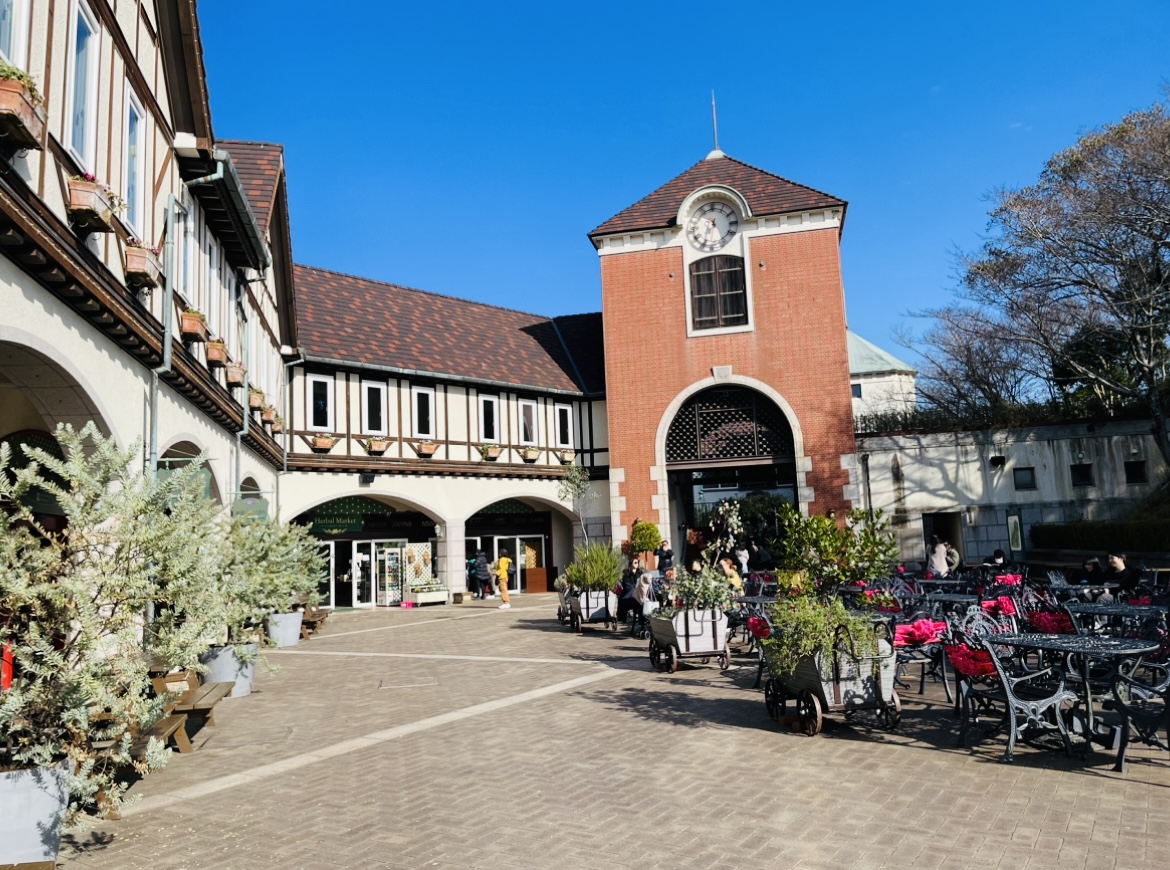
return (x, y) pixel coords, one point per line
(286, 437)
(168, 326)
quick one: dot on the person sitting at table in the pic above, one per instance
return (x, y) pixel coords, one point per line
(937, 563)
(727, 564)
(1127, 579)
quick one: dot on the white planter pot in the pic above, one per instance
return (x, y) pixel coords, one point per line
(224, 667)
(32, 809)
(284, 629)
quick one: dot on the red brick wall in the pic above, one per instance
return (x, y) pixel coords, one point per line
(798, 347)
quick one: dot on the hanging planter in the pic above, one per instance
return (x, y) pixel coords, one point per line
(376, 446)
(530, 454)
(91, 205)
(277, 425)
(268, 414)
(143, 269)
(324, 443)
(217, 355)
(22, 122)
(256, 400)
(235, 374)
(566, 456)
(490, 452)
(193, 326)
(426, 449)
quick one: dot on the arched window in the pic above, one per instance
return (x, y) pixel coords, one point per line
(718, 293)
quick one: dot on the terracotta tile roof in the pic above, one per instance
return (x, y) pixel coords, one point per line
(369, 323)
(259, 166)
(765, 194)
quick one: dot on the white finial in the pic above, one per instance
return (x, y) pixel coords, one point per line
(715, 129)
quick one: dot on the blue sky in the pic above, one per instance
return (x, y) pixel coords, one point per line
(468, 148)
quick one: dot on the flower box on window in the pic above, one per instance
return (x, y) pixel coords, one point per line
(143, 269)
(566, 456)
(21, 119)
(530, 454)
(376, 446)
(323, 443)
(256, 400)
(236, 373)
(268, 414)
(90, 206)
(426, 449)
(193, 326)
(277, 425)
(217, 355)
(490, 452)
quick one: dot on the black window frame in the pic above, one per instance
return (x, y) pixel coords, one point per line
(1031, 469)
(717, 282)
(855, 390)
(1083, 471)
(1131, 467)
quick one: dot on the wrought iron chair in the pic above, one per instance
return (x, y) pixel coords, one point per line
(1143, 706)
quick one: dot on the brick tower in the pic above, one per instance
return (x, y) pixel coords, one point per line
(727, 365)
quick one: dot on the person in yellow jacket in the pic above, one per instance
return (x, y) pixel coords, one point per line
(503, 569)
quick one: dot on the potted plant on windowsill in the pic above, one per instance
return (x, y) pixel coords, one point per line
(426, 449)
(268, 415)
(193, 325)
(143, 269)
(376, 445)
(277, 425)
(217, 355)
(22, 118)
(92, 205)
(530, 454)
(71, 605)
(256, 399)
(322, 443)
(490, 452)
(566, 455)
(235, 373)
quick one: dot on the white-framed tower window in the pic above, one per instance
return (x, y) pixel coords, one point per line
(563, 415)
(319, 404)
(14, 32)
(82, 85)
(373, 408)
(424, 412)
(489, 418)
(135, 169)
(529, 422)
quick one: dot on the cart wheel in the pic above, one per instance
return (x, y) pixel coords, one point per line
(575, 624)
(561, 616)
(655, 655)
(891, 712)
(644, 634)
(808, 708)
(772, 692)
(705, 660)
(671, 659)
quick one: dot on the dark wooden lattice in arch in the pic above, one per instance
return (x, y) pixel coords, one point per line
(729, 423)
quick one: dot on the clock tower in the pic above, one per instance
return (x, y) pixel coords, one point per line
(727, 367)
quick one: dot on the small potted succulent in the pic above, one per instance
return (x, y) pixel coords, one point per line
(193, 325)
(490, 452)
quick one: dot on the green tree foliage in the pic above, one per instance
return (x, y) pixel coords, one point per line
(831, 556)
(595, 567)
(574, 487)
(644, 538)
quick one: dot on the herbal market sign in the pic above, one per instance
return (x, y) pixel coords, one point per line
(343, 515)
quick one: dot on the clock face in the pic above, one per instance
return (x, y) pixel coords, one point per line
(712, 226)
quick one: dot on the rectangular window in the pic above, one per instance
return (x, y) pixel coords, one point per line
(718, 294)
(1135, 472)
(856, 390)
(83, 87)
(1024, 477)
(528, 428)
(320, 403)
(424, 412)
(489, 418)
(12, 32)
(373, 408)
(564, 417)
(135, 145)
(1082, 473)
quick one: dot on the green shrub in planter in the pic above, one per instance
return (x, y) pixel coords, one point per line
(595, 567)
(707, 589)
(644, 538)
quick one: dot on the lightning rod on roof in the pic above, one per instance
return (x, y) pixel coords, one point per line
(714, 129)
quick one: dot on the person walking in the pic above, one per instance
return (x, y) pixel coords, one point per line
(503, 570)
(483, 575)
(937, 563)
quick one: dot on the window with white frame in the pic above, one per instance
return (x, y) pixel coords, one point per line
(14, 32)
(489, 418)
(529, 431)
(424, 412)
(373, 408)
(83, 86)
(564, 421)
(319, 402)
(135, 145)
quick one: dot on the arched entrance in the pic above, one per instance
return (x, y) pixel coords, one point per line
(727, 442)
(380, 553)
(528, 531)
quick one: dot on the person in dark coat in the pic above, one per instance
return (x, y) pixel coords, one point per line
(483, 574)
(665, 557)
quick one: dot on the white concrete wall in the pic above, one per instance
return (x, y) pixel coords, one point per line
(884, 393)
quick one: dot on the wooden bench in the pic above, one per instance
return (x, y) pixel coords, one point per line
(198, 698)
(312, 619)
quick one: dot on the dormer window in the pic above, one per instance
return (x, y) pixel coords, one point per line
(718, 293)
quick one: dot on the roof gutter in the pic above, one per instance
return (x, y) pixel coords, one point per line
(441, 376)
(227, 184)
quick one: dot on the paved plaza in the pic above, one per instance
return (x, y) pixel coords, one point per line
(468, 737)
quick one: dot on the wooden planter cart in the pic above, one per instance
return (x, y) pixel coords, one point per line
(690, 633)
(841, 682)
(593, 608)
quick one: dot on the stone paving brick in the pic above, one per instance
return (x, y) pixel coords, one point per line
(637, 770)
